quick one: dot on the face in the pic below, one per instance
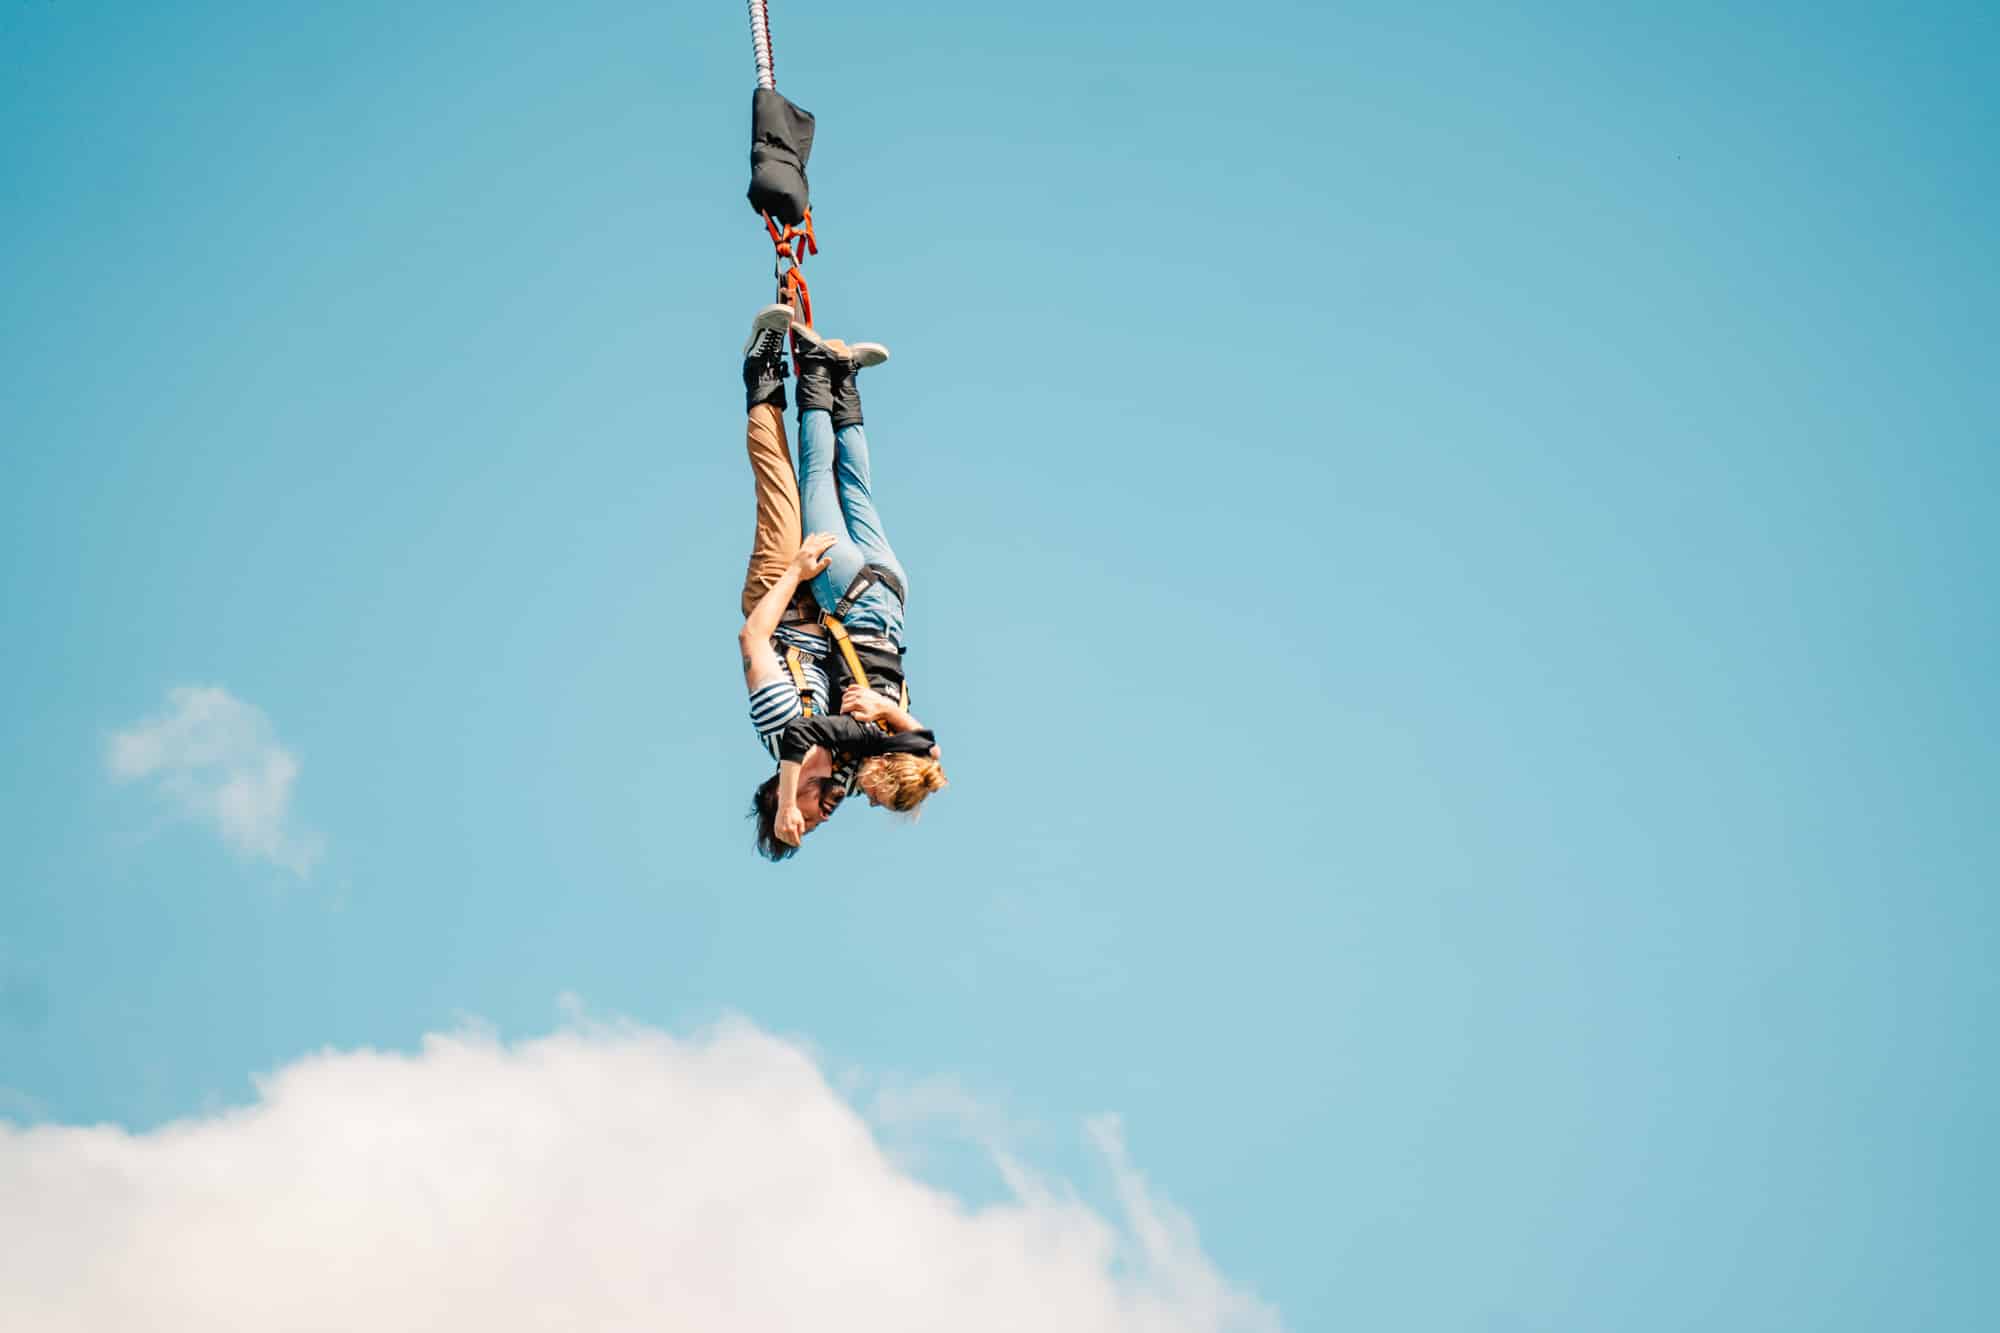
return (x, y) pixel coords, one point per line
(819, 794)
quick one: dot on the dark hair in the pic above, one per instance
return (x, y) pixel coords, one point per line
(764, 809)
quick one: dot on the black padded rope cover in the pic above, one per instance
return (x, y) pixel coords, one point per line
(781, 139)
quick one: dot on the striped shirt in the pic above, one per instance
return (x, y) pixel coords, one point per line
(775, 704)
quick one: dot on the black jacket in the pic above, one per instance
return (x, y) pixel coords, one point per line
(883, 664)
(848, 738)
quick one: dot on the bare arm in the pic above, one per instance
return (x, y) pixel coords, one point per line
(760, 663)
(789, 825)
(869, 706)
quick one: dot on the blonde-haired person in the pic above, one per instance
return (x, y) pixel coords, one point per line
(894, 758)
(891, 756)
(901, 782)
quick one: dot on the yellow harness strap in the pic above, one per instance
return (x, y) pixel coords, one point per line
(839, 633)
(846, 645)
(797, 667)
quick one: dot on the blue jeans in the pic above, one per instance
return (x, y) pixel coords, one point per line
(833, 491)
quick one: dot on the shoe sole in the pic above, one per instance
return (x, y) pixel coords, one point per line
(809, 338)
(859, 355)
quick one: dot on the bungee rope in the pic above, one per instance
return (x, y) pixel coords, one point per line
(792, 244)
(760, 38)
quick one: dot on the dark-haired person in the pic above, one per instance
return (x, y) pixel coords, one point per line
(838, 503)
(782, 645)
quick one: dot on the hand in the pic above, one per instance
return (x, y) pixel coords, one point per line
(865, 705)
(811, 558)
(790, 826)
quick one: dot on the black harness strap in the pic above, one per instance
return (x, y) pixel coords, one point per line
(869, 576)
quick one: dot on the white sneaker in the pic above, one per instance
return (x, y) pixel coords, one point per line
(767, 332)
(859, 356)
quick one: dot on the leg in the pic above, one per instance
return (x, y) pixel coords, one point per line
(778, 534)
(821, 496)
(878, 609)
(851, 465)
(857, 500)
(833, 460)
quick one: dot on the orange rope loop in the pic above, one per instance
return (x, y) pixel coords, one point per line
(793, 292)
(793, 244)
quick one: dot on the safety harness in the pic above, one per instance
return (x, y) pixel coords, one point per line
(835, 619)
(835, 622)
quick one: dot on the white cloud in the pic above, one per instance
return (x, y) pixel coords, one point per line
(600, 1178)
(217, 758)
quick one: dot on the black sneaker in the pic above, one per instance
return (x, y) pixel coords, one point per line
(764, 358)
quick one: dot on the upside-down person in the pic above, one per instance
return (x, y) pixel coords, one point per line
(782, 644)
(875, 745)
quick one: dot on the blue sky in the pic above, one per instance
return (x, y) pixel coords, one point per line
(1452, 557)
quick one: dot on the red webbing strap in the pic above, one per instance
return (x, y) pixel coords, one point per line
(793, 244)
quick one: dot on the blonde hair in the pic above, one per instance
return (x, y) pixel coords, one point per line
(901, 781)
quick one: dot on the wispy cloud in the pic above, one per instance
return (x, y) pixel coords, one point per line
(600, 1177)
(217, 759)
(903, 1104)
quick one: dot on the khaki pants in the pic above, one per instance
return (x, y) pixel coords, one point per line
(778, 531)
